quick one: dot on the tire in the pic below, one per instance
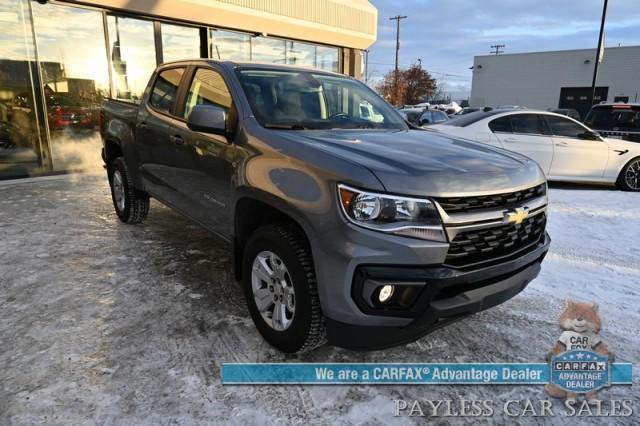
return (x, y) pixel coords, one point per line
(303, 329)
(131, 205)
(629, 178)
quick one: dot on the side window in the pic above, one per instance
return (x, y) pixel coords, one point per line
(561, 126)
(165, 89)
(207, 88)
(526, 124)
(501, 125)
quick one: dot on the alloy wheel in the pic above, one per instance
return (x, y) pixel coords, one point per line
(632, 175)
(118, 190)
(273, 290)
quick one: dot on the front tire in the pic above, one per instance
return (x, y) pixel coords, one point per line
(131, 205)
(629, 179)
(281, 290)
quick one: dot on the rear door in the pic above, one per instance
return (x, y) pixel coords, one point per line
(156, 152)
(525, 133)
(574, 156)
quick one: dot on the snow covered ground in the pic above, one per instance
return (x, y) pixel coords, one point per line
(102, 322)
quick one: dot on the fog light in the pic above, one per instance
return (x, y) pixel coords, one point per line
(385, 293)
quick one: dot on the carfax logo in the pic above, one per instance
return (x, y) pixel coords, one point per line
(579, 361)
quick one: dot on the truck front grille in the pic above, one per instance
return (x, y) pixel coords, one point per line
(465, 204)
(469, 248)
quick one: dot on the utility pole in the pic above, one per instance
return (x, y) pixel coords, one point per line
(497, 47)
(599, 53)
(397, 18)
(366, 66)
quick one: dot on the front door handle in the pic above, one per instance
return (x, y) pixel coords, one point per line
(177, 139)
(562, 144)
(143, 124)
(511, 140)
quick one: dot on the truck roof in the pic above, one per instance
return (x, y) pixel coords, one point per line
(259, 65)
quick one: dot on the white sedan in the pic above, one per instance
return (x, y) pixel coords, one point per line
(564, 148)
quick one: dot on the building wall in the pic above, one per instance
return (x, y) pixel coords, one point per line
(346, 23)
(534, 79)
(60, 59)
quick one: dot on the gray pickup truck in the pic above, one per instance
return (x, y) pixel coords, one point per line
(344, 221)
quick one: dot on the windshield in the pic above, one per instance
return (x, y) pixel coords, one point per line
(297, 100)
(614, 119)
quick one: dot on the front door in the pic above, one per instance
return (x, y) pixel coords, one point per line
(213, 157)
(525, 134)
(575, 156)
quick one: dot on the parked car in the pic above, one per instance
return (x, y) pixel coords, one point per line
(569, 112)
(412, 115)
(432, 116)
(564, 148)
(371, 233)
(620, 121)
(66, 113)
(463, 111)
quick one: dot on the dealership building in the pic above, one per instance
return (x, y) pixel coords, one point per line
(558, 79)
(59, 59)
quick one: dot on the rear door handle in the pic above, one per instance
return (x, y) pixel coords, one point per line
(562, 144)
(177, 139)
(511, 140)
(143, 124)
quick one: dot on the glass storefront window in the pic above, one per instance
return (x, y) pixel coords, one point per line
(21, 152)
(265, 49)
(327, 58)
(230, 46)
(75, 79)
(301, 54)
(133, 56)
(179, 42)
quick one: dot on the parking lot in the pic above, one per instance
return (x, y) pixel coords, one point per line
(101, 322)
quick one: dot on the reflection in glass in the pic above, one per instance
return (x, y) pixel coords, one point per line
(301, 54)
(179, 42)
(133, 56)
(327, 58)
(230, 46)
(20, 149)
(75, 79)
(265, 49)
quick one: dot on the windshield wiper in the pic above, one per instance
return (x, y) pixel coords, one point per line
(285, 126)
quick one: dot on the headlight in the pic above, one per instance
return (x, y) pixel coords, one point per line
(409, 217)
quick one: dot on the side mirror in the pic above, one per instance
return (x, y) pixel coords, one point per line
(424, 121)
(208, 119)
(590, 136)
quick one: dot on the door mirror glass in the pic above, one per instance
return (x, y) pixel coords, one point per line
(208, 119)
(590, 136)
(424, 121)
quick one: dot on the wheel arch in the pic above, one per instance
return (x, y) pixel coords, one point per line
(253, 210)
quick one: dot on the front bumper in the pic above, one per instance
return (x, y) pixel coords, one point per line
(447, 295)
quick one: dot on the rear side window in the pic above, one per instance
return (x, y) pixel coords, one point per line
(526, 124)
(501, 125)
(165, 89)
(561, 126)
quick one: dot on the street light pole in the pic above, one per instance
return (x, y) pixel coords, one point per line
(397, 18)
(599, 53)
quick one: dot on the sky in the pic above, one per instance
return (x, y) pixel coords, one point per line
(447, 34)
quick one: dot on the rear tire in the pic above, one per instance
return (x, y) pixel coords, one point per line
(131, 205)
(300, 327)
(629, 179)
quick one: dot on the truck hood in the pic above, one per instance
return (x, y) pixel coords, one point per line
(416, 162)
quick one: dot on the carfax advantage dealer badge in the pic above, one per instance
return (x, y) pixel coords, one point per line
(580, 371)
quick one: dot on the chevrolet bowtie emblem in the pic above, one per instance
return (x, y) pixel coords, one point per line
(516, 216)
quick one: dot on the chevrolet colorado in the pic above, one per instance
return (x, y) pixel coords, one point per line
(344, 224)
